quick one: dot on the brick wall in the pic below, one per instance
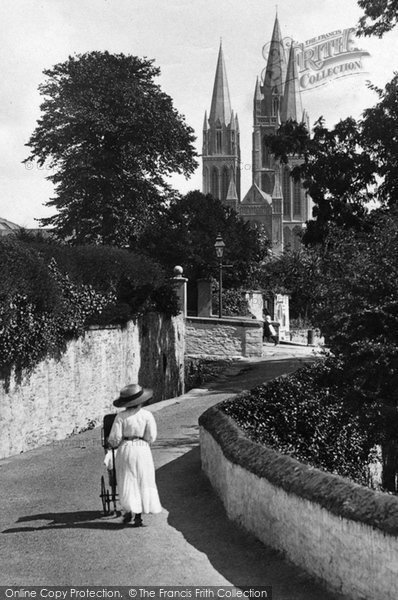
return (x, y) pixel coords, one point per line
(63, 396)
(349, 555)
(227, 337)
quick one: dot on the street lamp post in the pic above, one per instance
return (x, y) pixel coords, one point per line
(219, 246)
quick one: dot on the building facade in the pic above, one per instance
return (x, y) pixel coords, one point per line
(274, 201)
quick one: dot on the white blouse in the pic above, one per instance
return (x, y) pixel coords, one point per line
(133, 422)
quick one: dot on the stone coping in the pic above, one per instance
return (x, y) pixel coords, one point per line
(334, 493)
(237, 321)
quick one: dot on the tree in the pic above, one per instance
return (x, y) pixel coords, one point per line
(347, 166)
(296, 274)
(379, 132)
(112, 138)
(185, 233)
(357, 310)
(382, 14)
(335, 171)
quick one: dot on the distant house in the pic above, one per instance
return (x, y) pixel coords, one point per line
(8, 228)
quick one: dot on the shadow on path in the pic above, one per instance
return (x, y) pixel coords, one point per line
(85, 519)
(196, 511)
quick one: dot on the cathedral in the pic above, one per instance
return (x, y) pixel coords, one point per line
(274, 201)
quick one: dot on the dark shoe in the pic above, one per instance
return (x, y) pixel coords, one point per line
(138, 521)
(127, 518)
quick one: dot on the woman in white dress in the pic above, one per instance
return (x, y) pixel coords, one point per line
(132, 432)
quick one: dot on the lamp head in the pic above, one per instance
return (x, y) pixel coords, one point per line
(219, 246)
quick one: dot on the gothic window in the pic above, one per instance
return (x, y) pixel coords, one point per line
(218, 140)
(214, 183)
(266, 183)
(275, 106)
(286, 185)
(287, 239)
(297, 238)
(297, 199)
(225, 183)
(265, 155)
(206, 181)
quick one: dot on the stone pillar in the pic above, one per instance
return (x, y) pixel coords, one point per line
(204, 298)
(255, 303)
(180, 287)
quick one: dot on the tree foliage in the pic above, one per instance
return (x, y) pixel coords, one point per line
(379, 18)
(51, 293)
(358, 303)
(295, 274)
(357, 311)
(112, 138)
(185, 233)
(346, 167)
(335, 172)
(305, 415)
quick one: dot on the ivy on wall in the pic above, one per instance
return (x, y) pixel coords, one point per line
(51, 293)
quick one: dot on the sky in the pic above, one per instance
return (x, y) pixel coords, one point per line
(183, 37)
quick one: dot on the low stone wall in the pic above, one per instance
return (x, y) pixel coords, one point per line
(63, 396)
(339, 532)
(227, 337)
(301, 336)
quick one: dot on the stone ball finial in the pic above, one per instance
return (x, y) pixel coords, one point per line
(178, 271)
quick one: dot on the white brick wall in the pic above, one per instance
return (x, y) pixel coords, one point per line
(350, 557)
(223, 338)
(61, 396)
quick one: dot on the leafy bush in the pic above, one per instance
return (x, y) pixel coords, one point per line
(306, 415)
(51, 293)
(233, 302)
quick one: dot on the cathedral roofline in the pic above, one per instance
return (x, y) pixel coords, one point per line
(255, 193)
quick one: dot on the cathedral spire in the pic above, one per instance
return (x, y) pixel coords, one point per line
(257, 91)
(275, 72)
(220, 103)
(291, 103)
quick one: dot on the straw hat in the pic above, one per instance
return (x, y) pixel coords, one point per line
(133, 395)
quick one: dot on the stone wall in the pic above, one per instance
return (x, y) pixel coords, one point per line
(227, 337)
(301, 336)
(63, 396)
(339, 532)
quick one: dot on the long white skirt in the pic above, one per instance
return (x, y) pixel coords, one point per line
(135, 475)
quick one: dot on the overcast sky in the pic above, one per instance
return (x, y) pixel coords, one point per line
(183, 37)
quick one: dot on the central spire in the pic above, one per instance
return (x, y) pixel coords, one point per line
(220, 102)
(291, 107)
(275, 72)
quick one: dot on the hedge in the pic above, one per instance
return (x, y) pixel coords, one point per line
(336, 494)
(308, 416)
(51, 293)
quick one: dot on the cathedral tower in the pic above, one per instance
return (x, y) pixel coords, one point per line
(274, 202)
(276, 100)
(221, 144)
(268, 99)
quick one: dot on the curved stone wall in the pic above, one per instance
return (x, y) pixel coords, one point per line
(339, 532)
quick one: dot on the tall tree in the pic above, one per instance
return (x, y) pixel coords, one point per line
(185, 234)
(335, 171)
(357, 310)
(347, 166)
(112, 138)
